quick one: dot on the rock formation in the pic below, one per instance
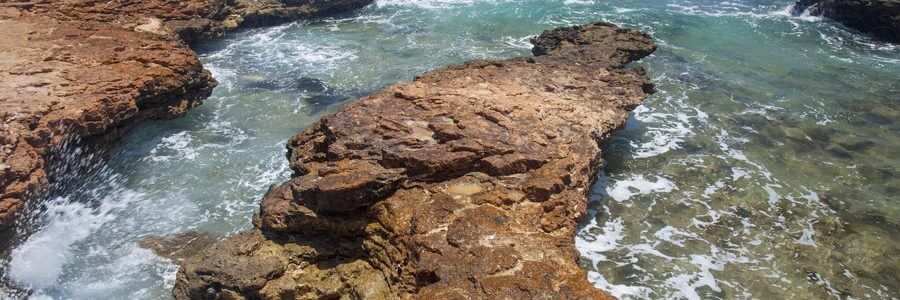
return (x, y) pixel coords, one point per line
(89, 69)
(880, 18)
(465, 183)
(194, 20)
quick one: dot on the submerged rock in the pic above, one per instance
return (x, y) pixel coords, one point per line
(310, 85)
(464, 183)
(178, 246)
(89, 70)
(880, 18)
(314, 92)
(302, 84)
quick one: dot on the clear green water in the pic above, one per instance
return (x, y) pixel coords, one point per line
(763, 168)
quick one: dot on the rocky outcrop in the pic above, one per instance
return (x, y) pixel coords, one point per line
(90, 69)
(191, 20)
(465, 183)
(880, 18)
(60, 79)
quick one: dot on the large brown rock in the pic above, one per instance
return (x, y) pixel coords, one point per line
(90, 69)
(193, 20)
(464, 183)
(65, 79)
(880, 18)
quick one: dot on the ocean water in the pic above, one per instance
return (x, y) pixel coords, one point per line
(765, 167)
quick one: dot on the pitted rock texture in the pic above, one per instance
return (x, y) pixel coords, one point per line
(191, 20)
(90, 69)
(880, 18)
(60, 79)
(465, 183)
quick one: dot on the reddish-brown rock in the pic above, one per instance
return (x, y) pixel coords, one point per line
(464, 183)
(89, 69)
(60, 79)
(193, 20)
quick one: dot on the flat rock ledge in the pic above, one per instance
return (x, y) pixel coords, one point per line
(880, 18)
(465, 183)
(91, 69)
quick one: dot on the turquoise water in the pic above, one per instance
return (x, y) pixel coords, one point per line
(763, 168)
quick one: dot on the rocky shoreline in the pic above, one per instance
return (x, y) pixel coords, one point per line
(880, 18)
(90, 70)
(465, 183)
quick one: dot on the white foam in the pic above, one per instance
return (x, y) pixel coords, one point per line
(593, 245)
(806, 237)
(686, 285)
(606, 240)
(175, 145)
(624, 189)
(711, 189)
(666, 131)
(674, 235)
(618, 290)
(39, 262)
(805, 15)
(275, 169)
(428, 4)
(519, 42)
(225, 129)
(578, 2)
(718, 11)
(327, 54)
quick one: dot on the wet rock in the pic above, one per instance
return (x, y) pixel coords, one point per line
(254, 265)
(316, 93)
(303, 84)
(796, 134)
(883, 115)
(838, 151)
(90, 70)
(854, 143)
(261, 82)
(834, 200)
(465, 183)
(819, 133)
(876, 174)
(178, 246)
(310, 85)
(880, 18)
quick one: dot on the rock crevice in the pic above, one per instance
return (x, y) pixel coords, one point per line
(466, 182)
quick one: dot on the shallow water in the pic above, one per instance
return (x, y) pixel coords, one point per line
(764, 167)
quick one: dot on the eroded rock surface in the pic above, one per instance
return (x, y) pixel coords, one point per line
(191, 20)
(89, 68)
(881, 18)
(63, 78)
(464, 183)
